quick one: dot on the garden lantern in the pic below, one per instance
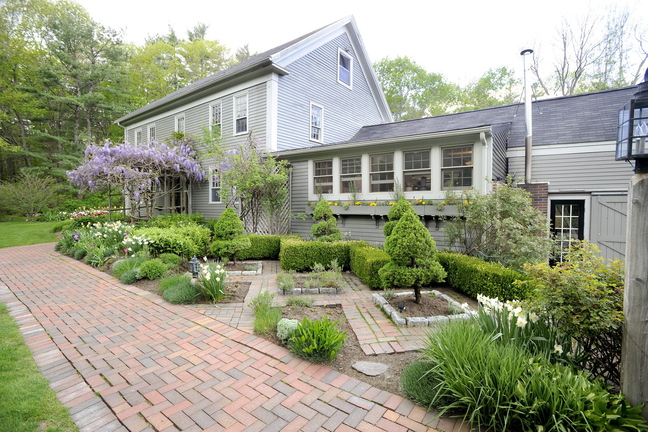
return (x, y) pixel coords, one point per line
(632, 129)
(401, 306)
(194, 266)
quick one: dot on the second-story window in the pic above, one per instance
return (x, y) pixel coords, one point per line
(416, 170)
(382, 172)
(323, 176)
(351, 175)
(317, 114)
(241, 114)
(345, 68)
(215, 117)
(457, 167)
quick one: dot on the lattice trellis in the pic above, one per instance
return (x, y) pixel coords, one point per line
(278, 223)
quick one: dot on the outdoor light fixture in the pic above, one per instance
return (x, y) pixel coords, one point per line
(401, 306)
(633, 129)
(193, 266)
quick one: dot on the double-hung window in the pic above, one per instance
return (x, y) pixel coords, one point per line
(180, 123)
(457, 167)
(215, 117)
(138, 136)
(151, 133)
(382, 172)
(351, 175)
(345, 68)
(214, 186)
(323, 176)
(316, 122)
(241, 114)
(416, 170)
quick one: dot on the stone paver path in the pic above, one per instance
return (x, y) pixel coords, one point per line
(123, 359)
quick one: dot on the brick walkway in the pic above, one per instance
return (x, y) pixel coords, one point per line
(122, 359)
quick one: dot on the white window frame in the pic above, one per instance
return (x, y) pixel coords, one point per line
(212, 111)
(151, 136)
(381, 181)
(350, 177)
(247, 113)
(327, 175)
(138, 137)
(214, 185)
(321, 123)
(417, 171)
(180, 120)
(344, 53)
(454, 167)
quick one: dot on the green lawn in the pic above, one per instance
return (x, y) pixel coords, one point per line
(27, 403)
(18, 233)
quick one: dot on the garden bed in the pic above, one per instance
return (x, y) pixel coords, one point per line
(435, 308)
(244, 268)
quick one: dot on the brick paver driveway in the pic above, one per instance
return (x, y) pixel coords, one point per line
(123, 359)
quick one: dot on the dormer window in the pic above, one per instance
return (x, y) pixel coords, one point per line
(345, 68)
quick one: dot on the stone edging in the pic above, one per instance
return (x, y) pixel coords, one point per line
(320, 290)
(256, 272)
(399, 320)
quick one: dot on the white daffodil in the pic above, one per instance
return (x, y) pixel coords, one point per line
(558, 349)
(521, 321)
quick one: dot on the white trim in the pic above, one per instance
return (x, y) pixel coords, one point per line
(247, 113)
(246, 86)
(176, 123)
(345, 54)
(563, 149)
(272, 108)
(310, 123)
(148, 132)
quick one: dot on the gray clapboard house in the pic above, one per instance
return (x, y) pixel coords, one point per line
(315, 102)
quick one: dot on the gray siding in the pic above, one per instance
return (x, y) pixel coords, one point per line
(299, 198)
(313, 78)
(576, 172)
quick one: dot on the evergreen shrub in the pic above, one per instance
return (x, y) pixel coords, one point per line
(365, 261)
(152, 269)
(474, 276)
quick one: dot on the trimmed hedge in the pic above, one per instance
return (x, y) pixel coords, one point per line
(302, 255)
(475, 276)
(365, 261)
(185, 241)
(264, 246)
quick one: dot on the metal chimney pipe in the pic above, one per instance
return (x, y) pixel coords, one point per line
(528, 141)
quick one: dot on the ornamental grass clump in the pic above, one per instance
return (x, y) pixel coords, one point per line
(266, 316)
(212, 280)
(316, 341)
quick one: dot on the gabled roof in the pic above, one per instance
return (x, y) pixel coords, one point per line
(272, 60)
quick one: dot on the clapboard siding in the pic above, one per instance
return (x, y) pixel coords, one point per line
(299, 198)
(313, 78)
(576, 172)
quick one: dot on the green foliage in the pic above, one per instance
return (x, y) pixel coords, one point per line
(261, 247)
(266, 316)
(185, 241)
(121, 266)
(152, 269)
(171, 220)
(212, 281)
(583, 298)
(412, 252)
(228, 225)
(397, 211)
(170, 259)
(299, 301)
(229, 248)
(62, 226)
(184, 292)
(29, 195)
(474, 276)
(317, 341)
(285, 328)
(173, 280)
(419, 381)
(285, 281)
(496, 87)
(301, 256)
(500, 226)
(79, 253)
(498, 387)
(130, 276)
(326, 230)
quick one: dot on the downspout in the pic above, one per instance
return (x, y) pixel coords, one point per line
(528, 141)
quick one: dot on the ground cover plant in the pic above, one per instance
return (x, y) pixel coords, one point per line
(28, 404)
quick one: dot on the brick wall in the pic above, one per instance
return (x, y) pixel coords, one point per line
(539, 195)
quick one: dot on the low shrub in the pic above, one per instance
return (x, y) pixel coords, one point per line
(228, 249)
(474, 276)
(130, 276)
(264, 246)
(79, 253)
(285, 328)
(123, 265)
(302, 255)
(183, 293)
(185, 241)
(152, 269)
(62, 226)
(170, 259)
(316, 341)
(171, 220)
(365, 261)
(173, 280)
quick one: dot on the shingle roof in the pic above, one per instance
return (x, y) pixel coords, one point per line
(582, 118)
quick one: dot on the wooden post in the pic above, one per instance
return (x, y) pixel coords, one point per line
(634, 352)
